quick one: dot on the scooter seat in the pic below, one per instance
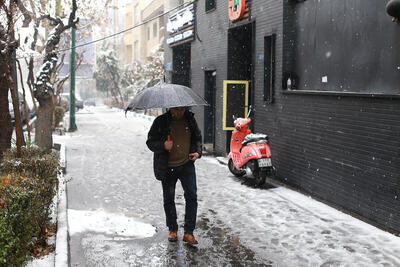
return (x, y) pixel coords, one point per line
(253, 138)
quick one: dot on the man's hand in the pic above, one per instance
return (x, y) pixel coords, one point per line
(168, 145)
(194, 156)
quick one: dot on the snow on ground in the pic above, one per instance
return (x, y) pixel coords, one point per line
(45, 261)
(107, 223)
(290, 228)
(279, 225)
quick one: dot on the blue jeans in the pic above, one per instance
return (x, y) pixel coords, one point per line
(187, 175)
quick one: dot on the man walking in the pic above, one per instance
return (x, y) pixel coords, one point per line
(176, 140)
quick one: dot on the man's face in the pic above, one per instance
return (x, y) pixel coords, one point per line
(177, 112)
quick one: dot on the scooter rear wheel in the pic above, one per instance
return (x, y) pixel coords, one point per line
(260, 176)
(234, 171)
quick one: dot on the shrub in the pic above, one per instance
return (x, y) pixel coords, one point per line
(27, 188)
(17, 230)
(34, 160)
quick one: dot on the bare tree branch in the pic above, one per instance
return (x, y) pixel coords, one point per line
(60, 83)
(27, 14)
(30, 80)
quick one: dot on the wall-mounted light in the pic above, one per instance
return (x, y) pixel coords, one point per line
(393, 9)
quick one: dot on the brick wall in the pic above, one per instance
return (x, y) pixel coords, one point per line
(209, 52)
(342, 149)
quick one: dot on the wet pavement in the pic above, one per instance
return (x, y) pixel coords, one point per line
(110, 168)
(110, 175)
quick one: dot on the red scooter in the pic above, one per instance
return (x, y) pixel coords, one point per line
(249, 152)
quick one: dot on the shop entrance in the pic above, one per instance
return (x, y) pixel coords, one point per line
(209, 111)
(240, 62)
(181, 64)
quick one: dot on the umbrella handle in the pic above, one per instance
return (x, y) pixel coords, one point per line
(169, 139)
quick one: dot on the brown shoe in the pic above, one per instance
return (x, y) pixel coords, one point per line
(173, 236)
(189, 238)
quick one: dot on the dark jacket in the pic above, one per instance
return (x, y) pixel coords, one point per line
(158, 134)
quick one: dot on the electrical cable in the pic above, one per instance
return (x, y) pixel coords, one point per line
(120, 32)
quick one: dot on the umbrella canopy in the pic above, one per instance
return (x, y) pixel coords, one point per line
(165, 96)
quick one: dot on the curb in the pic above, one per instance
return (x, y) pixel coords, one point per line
(61, 253)
(146, 117)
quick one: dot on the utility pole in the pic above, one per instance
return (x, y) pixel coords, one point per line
(72, 125)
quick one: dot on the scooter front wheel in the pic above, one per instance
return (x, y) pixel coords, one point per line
(234, 170)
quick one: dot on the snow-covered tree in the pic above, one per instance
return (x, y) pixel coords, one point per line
(137, 76)
(154, 67)
(60, 38)
(43, 86)
(34, 31)
(132, 80)
(107, 74)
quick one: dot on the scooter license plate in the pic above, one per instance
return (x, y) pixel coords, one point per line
(264, 162)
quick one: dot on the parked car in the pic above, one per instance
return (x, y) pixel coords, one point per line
(65, 97)
(90, 102)
(78, 103)
(21, 107)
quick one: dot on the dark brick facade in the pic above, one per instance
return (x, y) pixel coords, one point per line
(343, 149)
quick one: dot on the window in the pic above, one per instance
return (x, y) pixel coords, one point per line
(136, 18)
(128, 19)
(210, 5)
(136, 50)
(148, 33)
(155, 29)
(269, 67)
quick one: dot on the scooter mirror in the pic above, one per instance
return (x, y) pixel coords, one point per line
(250, 110)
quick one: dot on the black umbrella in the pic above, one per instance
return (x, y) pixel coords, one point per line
(165, 96)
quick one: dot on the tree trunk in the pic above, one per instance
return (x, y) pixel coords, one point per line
(5, 118)
(43, 132)
(18, 120)
(26, 111)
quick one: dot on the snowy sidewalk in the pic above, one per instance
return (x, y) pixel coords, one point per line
(287, 228)
(111, 175)
(292, 229)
